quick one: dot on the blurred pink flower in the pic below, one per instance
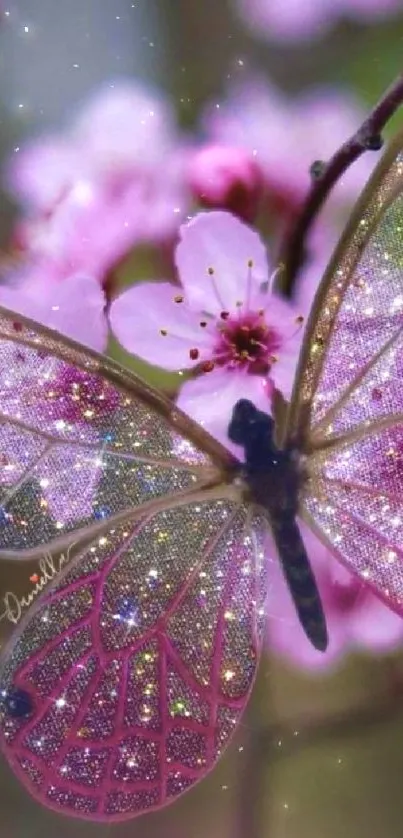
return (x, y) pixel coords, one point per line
(292, 20)
(357, 619)
(74, 305)
(103, 186)
(285, 136)
(223, 177)
(227, 324)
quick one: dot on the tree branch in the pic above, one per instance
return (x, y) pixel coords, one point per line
(368, 137)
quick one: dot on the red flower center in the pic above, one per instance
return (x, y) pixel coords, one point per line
(248, 342)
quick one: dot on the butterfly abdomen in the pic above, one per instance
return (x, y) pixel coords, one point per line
(300, 579)
(273, 476)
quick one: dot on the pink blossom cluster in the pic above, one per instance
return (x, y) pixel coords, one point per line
(284, 136)
(111, 181)
(292, 20)
(122, 175)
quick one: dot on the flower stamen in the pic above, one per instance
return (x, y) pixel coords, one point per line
(208, 366)
(268, 286)
(211, 274)
(299, 321)
(249, 283)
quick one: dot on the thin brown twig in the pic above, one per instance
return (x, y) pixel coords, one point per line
(368, 137)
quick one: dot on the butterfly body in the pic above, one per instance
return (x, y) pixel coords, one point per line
(274, 477)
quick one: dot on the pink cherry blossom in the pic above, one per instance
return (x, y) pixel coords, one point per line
(102, 186)
(357, 619)
(73, 305)
(291, 20)
(286, 135)
(225, 323)
(223, 177)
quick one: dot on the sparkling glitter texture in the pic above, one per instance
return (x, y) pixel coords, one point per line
(139, 661)
(352, 380)
(75, 447)
(354, 496)
(361, 309)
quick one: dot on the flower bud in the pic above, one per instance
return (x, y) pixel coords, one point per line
(222, 177)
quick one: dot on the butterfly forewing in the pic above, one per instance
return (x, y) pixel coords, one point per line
(357, 312)
(349, 385)
(82, 442)
(139, 660)
(375, 395)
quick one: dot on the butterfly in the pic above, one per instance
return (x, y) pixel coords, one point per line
(136, 653)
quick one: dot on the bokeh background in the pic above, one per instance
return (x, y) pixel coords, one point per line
(320, 750)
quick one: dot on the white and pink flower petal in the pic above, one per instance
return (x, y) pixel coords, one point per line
(221, 262)
(42, 172)
(152, 320)
(74, 307)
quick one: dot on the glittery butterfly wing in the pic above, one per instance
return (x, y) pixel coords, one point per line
(82, 443)
(128, 674)
(137, 664)
(347, 406)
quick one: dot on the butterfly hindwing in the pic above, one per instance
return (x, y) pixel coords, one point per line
(354, 500)
(139, 660)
